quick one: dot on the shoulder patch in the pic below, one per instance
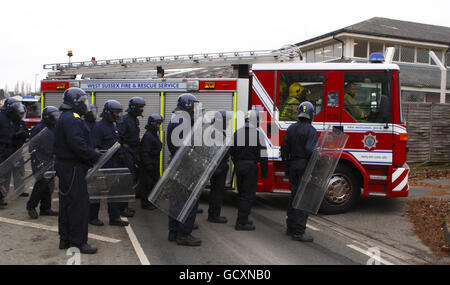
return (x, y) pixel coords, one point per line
(76, 115)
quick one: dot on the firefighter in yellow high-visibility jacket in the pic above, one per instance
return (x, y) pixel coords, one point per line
(289, 112)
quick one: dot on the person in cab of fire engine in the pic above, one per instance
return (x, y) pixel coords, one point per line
(181, 232)
(296, 94)
(298, 144)
(104, 135)
(350, 104)
(129, 139)
(11, 113)
(74, 156)
(218, 179)
(150, 151)
(248, 149)
(43, 188)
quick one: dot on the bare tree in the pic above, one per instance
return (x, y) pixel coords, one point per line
(16, 88)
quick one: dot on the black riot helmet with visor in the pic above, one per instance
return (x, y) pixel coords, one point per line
(153, 122)
(186, 102)
(112, 111)
(136, 106)
(13, 108)
(75, 99)
(50, 115)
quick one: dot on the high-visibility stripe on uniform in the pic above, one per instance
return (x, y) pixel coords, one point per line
(161, 136)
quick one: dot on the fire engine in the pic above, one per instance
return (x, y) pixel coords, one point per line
(361, 99)
(33, 107)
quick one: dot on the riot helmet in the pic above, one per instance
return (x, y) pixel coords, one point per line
(153, 122)
(75, 99)
(112, 111)
(306, 110)
(136, 106)
(13, 108)
(50, 115)
(186, 102)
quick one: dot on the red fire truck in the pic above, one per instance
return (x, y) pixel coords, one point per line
(361, 99)
(33, 107)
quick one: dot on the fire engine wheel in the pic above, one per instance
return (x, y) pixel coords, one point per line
(343, 191)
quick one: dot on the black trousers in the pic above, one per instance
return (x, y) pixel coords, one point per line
(42, 193)
(217, 191)
(296, 219)
(187, 226)
(74, 204)
(246, 181)
(113, 211)
(147, 180)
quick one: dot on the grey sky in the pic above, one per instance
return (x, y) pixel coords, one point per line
(36, 32)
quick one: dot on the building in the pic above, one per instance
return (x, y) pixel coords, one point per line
(421, 77)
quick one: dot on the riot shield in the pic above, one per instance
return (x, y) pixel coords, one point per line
(319, 170)
(188, 172)
(26, 165)
(111, 184)
(103, 159)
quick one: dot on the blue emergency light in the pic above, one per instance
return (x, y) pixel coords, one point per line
(376, 57)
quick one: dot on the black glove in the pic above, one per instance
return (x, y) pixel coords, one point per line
(21, 134)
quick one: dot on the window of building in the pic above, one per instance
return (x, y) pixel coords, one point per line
(310, 56)
(360, 48)
(367, 96)
(328, 52)
(337, 50)
(412, 96)
(318, 55)
(423, 55)
(448, 59)
(300, 87)
(438, 54)
(407, 54)
(375, 47)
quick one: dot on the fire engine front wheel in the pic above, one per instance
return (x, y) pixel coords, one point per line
(342, 193)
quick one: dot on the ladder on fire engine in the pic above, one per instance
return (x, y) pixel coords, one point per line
(181, 65)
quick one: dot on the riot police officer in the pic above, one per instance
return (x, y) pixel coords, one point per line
(11, 114)
(43, 188)
(150, 150)
(298, 144)
(218, 180)
(91, 116)
(248, 149)
(181, 233)
(104, 135)
(74, 155)
(129, 138)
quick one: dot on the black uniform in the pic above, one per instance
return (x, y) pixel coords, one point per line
(245, 158)
(150, 150)
(174, 225)
(43, 188)
(129, 138)
(104, 135)
(74, 155)
(7, 132)
(13, 133)
(298, 144)
(217, 181)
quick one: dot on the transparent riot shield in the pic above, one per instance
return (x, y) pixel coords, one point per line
(188, 172)
(111, 184)
(26, 165)
(103, 159)
(319, 170)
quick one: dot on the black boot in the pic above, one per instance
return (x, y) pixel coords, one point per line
(2, 203)
(127, 213)
(188, 240)
(246, 227)
(86, 248)
(147, 205)
(96, 222)
(32, 213)
(302, 237)
(118, 222)
(218, 220)
(172, 236)
(48, 212)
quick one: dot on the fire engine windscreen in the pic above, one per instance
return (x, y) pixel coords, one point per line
(188, 172)
(319, 170)
(26, 165)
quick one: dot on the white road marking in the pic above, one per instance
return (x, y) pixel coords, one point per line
(53, 229)
(312, 228)
(136, 245)
(385, 262)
